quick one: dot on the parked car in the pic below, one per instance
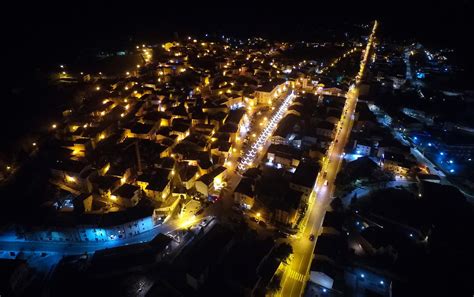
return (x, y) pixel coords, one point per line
(311, 237)
(262, 223)
(236, 209)
(282, 234)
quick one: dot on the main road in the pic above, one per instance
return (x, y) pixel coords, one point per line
(295, 274)
(11, 244)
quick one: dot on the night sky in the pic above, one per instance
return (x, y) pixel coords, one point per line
(61, 29)
(43, 35)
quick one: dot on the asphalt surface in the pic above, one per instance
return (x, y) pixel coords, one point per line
(296, 272)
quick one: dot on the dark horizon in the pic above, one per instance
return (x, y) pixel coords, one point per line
(55, 29)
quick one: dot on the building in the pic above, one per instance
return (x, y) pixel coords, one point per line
(210, 181)
(395, 163)
(362, 147)
(304, 178)
(244, 194)
(283, 155)
(126, 195)
(202, 257)
(325, 128)
(72, 176)
(188, 175)
(268, 92)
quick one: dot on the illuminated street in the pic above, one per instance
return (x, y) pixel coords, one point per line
(295, 274)
(258, 145)
(311, 150)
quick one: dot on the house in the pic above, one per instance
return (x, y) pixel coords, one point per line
(304, 178)
(83, 203)
(156, 185)
(106, 184)
(180, 129)
(325, 128)
(188, 174)
(205, 254)
(286, 209)
(158, 188)
(285, 127)
(79, 147)
(284, 155)
(244, 194)
(267, 93)
(206, 183)
(362, 147)
(72, 174)
(126, 195)
(395, 163)
(275, 200)
(222, 149)
(238, 117)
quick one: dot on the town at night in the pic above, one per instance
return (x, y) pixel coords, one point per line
(304, 151)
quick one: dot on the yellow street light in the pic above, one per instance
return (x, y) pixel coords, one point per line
(70, 178)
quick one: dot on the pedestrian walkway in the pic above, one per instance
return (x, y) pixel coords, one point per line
(295, 275)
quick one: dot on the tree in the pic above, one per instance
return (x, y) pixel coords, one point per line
(283, 251)
(337, 205)
(275, 284)
(354, 200)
